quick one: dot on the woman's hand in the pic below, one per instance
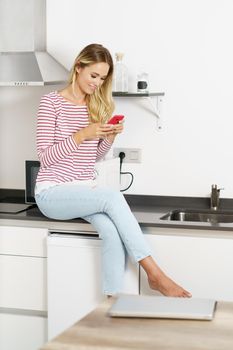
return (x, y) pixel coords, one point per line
(116, 129)
(97, 130)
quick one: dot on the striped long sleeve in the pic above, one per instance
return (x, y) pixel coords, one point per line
(61, 159)
(49, 150)
(103, 148)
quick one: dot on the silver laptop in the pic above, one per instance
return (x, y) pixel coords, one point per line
(163, 307)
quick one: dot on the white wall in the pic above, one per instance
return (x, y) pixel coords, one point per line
(186, 47)
(18, 114)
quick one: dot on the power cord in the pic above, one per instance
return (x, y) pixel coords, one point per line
(122, 156)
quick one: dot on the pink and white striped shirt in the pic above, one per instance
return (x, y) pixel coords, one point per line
(61, 159)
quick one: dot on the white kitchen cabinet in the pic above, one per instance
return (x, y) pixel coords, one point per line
(23, 282)
(22, 332)
(23, 292)
(202, 265)
(28, 241)
(74, 279)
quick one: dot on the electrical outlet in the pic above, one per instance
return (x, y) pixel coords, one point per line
(132, 155)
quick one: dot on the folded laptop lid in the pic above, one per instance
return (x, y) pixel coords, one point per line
(31, 171)
(163, 307)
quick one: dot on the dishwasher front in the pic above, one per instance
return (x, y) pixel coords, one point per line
(74, 278)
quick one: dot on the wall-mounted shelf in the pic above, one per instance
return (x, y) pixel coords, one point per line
(155, 99)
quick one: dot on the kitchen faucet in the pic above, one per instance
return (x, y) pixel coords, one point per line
(214, 198)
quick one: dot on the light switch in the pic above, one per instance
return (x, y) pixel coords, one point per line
(133, 155)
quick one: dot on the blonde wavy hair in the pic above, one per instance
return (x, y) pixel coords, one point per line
(100, 104)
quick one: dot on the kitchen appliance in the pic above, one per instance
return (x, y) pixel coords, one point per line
(24, 60)
(74, 278)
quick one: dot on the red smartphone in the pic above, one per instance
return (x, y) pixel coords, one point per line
(116, 119)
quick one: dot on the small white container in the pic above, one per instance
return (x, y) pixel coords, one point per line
(142, 82)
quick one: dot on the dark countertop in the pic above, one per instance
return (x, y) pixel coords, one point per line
(147, 209)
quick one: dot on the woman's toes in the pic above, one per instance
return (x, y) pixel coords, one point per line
(167, 287)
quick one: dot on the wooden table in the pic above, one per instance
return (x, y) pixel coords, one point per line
(99, 331)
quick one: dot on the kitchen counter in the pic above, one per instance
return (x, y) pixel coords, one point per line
(99, 331)
(147, 209)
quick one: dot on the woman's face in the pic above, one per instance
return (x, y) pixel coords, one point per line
(91, 77)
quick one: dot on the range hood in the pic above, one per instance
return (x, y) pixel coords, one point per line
(24, 60)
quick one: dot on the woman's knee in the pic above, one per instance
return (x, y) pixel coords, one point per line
(113, 197)
(104, 226)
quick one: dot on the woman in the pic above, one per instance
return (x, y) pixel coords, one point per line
(72, 134)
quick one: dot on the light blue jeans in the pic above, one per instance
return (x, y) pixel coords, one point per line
(109, 213)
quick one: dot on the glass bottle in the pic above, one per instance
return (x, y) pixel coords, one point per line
(120, 76)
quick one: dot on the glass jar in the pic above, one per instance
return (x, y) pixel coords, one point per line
(120, 76)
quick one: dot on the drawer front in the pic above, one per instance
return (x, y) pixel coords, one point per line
(22, 332)
(23, 241)
(23, 282)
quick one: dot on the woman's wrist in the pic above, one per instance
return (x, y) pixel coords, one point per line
(79, 137)
(111, 138)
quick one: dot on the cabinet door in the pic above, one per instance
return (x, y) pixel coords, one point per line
(23, 282)
(26, 241)
(22, 332)
(74, 280)
(201, 265)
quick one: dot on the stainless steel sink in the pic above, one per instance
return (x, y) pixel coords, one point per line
(214, 217)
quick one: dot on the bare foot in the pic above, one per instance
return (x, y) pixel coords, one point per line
(159, 281)
(166, 286)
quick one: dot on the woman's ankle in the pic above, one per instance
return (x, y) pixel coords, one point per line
(152, 270)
